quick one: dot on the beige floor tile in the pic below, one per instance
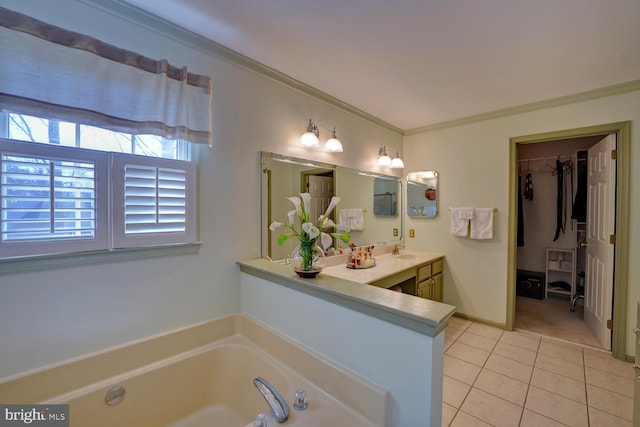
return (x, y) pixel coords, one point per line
(609, 381)
(531, 419)
(460, 370)
(452, 333)
(459, 323)
(477, 341)
(606, 362)
(600, 418)
(563, 343)
(514, 352)
(511, 368)
(502, 386)
(454, 391)
(465, 420)
(610, 402)
(448, 413)
(448, 343)
(556, 407)
(559, 384)
(521, 339)
(491, 409)
(468, 353)
(485, 330)
(560, 366)
(568, 354)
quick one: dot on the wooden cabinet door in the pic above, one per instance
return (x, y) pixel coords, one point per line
(425, 289)
(436, 291)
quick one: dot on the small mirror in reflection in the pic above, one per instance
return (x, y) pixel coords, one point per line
(385, 197)
(422, 192)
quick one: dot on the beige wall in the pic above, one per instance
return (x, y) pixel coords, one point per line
(473, 161)
(55, 314)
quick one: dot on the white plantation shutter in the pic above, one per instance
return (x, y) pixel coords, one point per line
(50, 198)
(153, 201)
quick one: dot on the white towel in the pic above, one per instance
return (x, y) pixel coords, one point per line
(482, 224)
(460, 221)
(352, 219)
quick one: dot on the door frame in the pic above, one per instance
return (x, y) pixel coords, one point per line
(621, 250)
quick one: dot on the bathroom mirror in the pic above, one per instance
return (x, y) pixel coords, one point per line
(285, 176)
(422, 194)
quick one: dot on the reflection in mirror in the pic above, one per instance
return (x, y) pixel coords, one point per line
(284, 176)
(385, 197)
(422, 189)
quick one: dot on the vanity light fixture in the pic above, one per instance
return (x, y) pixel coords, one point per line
(384, 159)
(310, 137)
(333, 144)
(396, 162)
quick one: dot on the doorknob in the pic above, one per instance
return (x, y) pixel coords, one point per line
(636, 330)
(634, 366)
(583, 244)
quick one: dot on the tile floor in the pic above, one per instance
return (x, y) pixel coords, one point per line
(500, 378)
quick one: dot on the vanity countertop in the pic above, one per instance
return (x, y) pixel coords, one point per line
(333, 284)
(386, 265)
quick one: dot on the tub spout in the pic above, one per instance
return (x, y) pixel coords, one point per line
(274, 399)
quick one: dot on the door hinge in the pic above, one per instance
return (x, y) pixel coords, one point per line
(612, 239)
(614, 154)
(609, 324)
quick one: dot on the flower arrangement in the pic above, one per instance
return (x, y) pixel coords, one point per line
(309, 232)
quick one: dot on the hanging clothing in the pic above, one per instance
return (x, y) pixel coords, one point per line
(559, 199)
(579, 209)
(520, 214)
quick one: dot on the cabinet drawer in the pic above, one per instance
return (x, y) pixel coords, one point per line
(424, 272)
(437, 267)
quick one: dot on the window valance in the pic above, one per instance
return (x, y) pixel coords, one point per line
(52, 72)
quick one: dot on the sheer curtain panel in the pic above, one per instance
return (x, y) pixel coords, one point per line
(51, 72)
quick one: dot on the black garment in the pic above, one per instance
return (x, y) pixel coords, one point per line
(520, 214)
(579, 211)
(560, 197)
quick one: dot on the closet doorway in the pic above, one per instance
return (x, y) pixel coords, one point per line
(552, 238)
(553, 241)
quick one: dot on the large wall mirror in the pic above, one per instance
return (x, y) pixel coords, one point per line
(375, 196)
(422, 194)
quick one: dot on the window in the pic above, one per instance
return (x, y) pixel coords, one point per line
(66, 187)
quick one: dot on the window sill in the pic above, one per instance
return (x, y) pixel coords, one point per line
(48, 262)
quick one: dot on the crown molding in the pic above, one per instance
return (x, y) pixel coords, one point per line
(533, 106)
(165, 28)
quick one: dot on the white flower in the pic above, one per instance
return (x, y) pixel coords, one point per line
(291, 215)
(274, 225)
(327, 223)
(296, 203)
(332, 204)
(311, 230)
(326, 240)
(306, 198)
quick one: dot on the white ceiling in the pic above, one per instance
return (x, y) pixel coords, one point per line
(414, 63)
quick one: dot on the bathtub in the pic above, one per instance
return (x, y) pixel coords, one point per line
(203, 382)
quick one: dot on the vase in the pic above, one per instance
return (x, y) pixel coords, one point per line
(307, 259)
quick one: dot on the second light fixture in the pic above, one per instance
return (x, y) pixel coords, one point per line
(311, 139)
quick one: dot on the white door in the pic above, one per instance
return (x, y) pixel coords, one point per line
(321, 191)
(600, 226)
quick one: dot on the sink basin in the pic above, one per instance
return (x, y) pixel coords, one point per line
(406, 257)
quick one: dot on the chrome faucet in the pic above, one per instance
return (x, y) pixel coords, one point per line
(274, 399)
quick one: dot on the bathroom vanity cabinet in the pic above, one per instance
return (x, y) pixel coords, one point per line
(424, 280)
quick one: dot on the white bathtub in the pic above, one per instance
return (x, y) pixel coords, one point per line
(209, 384)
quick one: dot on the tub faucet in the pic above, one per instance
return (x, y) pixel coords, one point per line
(274, 399)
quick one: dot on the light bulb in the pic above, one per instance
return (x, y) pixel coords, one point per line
(397, 163)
